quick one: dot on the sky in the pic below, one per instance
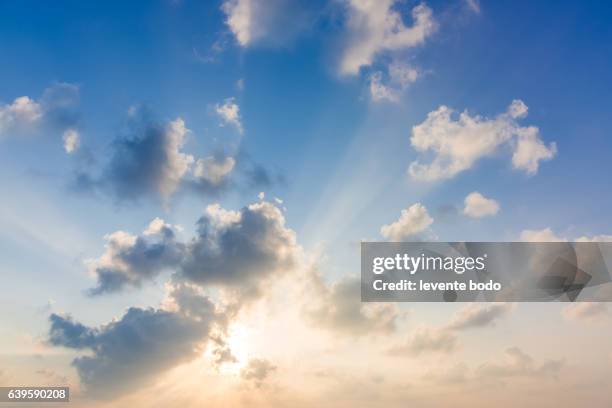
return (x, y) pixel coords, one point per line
(185, 185)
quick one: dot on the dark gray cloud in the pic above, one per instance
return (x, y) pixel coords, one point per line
(232, 249)
(132, 351)
(65, 332)
(148, 159)
(338, 308)
(132, 260)
(239, 249)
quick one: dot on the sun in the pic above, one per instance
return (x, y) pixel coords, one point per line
(238, 343)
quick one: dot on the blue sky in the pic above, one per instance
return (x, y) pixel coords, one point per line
(336, 155)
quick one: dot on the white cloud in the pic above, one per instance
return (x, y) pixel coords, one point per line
(530, 150)
(72, 140)
(177, 163)
(477, 206)
(380, 92)
(272, 22)
(239, 19)
(56, 108)
(22, 112)
(595, 238)
(400, 77)
(214, 170)
(413, 220)
(376, 27)
(543, 235)
(229, 112)
(457, 144)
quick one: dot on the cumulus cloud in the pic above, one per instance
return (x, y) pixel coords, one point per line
(377, 27)
(131, 351)
(55, 110)
(338, 308)
(72, 140)
(147, 160)
(476, 316)
(478, 206)
(214, 171)
(22, 112)
(131, 260)
(413, 220)
(427, 340)
(457, 144)
(237, 250)
(587, 311)
(257, 370)
(266, 22)
(543, 235)
(229, 113)
(531, 150)
(518, 364)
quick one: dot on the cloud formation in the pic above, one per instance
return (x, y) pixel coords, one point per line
(413, 220)
(72, 140)
(130, 352)
(55, 110)
(266, 22)
(457, 144)
(131, 260)
(22, 112)
(426, 340)
(377, 27)
(390, 88)
(229, 113)
(478, 206)
(338, 308)
(148, 160)
(476, 316)
(257, 370)
(237, 250)
(214, 170)
(543, 235)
